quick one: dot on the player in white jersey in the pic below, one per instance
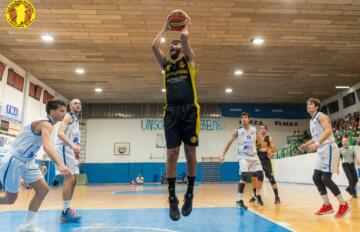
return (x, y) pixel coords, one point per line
(19, 163)
(68, 147)
(327, 158)
(249, 161)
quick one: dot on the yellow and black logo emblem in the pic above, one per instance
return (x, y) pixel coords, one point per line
(194, 139)
(182, 65)
(20, 13)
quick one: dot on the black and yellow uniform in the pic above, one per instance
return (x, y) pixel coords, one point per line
(182, 110)
(264, 159)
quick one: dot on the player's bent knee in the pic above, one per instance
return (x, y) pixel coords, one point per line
(245, 176)
(272, 180)
(11, 198)
(260, 176)
(317, 177)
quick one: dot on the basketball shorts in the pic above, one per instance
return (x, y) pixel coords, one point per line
(327, 157)
(249, 165)
(13, 169)
(182, 124)
(68, 157)
(266, 164)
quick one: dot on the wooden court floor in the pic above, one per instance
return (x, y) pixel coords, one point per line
(299, 202)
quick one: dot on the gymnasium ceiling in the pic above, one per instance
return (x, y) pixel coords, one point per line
(310, 47)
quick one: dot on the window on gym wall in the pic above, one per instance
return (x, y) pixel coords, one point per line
(333, 107)
(2, 69)
(324, 109)
(15, 80)
(349, 100)
(35, 91)
(47, 97)
(358, 94)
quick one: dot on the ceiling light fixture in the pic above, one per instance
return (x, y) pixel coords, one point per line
(98, 90)
(342, 87)
(47, 38)
(80, 71)
(238, 72)
(257, 41)
(228, 90)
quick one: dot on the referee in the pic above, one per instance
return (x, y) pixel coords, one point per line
(348, 157)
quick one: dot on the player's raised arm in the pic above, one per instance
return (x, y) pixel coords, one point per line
(185, 44)
(160, 57)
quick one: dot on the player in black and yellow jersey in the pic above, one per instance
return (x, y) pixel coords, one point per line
(265, 159)
(182, 114)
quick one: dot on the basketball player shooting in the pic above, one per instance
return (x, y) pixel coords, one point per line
(182, 110)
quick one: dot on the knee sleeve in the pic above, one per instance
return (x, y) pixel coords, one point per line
(245, 176)
(328, 182)
(317, 178)
(260, 176)
(241, 188)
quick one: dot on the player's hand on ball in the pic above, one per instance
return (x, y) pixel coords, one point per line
(166, 25)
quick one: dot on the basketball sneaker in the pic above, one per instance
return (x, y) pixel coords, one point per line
(241, 205)
(325, 209)
(70, 216)
(29, 228)
(174, 212)
(187, 206)
(259, 200)
(343, 210)
(252, 199)
(277, 200)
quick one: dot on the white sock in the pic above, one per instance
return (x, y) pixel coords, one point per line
(239, 196)
(340, 199)
(257, 192)
(30, 217)
(66, 205)
(325, 199)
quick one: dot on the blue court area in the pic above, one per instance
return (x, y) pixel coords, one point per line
(111, 220)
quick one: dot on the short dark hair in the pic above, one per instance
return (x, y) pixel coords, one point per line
(245, 114)
(54, 105)
(175, 41)
(315, 101)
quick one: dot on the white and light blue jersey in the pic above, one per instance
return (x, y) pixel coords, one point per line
(317, 130)
(247, 143)
(27, 143)
(72, 131)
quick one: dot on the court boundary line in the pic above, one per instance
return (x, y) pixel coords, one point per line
(251, 210)
(125, 227)
(286, 227)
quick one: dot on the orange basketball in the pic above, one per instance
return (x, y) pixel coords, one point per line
(177, 20)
